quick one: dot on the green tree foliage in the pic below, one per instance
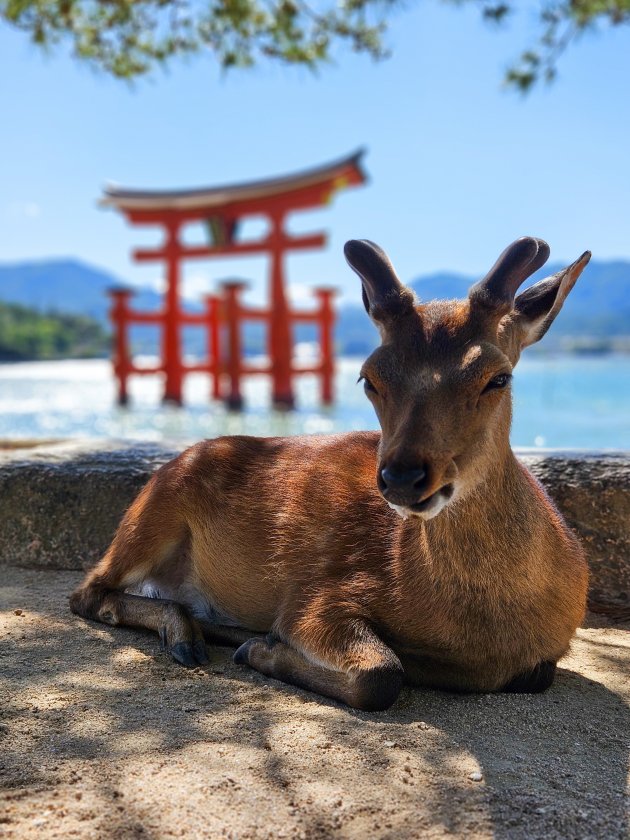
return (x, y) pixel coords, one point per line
(129, 38)
(27, 334)
(560, 23)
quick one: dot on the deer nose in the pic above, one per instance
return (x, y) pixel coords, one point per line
(403, 480)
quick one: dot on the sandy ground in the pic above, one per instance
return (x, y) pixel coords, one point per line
(102, 736)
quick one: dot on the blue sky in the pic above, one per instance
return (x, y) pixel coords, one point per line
(458, 166)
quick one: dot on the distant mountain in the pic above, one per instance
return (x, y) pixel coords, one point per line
(598, 306)
(597, 309)
(64, 285)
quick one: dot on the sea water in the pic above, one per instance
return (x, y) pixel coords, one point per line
(564, 401)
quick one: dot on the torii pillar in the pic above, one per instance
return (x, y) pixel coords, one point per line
(171, 333)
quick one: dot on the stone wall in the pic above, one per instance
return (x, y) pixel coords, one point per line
(60, 504)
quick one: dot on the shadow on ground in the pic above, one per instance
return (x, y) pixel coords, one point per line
(102, 736)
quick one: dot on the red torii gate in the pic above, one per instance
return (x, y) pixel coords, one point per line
(221, 208)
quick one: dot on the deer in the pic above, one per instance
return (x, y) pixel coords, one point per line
(352, 564)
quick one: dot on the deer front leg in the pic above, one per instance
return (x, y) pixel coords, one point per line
(355, 667)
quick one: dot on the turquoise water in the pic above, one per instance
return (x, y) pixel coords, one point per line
(572, 401)
(564, 401)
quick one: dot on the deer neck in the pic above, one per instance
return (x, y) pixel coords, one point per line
(472, 536)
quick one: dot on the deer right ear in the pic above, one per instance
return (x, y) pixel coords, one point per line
(536, 308)
(384, 296)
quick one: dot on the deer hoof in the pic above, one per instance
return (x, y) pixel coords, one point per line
(243, 655)
(183, 653)
(200, 652)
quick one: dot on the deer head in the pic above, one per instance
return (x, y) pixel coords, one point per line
(440, 380)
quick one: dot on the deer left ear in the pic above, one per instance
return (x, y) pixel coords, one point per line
(535, 308)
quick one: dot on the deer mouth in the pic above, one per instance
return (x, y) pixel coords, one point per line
(425, 508)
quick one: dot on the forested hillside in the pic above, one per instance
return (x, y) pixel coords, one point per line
(26, 334)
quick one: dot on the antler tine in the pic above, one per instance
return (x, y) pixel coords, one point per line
(384, 296)
(518, 262)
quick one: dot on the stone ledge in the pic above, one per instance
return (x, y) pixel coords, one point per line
(61, 503)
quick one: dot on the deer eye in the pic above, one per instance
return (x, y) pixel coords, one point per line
(500, 381)
(367, 385)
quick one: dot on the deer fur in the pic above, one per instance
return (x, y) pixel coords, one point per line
(350, 564)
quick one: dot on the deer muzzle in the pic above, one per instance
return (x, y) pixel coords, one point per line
(419, 490)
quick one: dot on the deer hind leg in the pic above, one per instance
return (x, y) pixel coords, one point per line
(150, 544)
(353, 666)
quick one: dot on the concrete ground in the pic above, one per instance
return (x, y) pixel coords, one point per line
(102, 736)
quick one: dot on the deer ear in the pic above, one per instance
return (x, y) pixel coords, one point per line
(536, 307)
(384, 296)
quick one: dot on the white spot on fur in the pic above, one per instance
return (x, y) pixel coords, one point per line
(438, 503)
(437, 506)
(149, 589)
(471, 355)
(404, 513)
(199, 604)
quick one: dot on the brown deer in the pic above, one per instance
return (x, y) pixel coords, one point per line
(467, 579)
